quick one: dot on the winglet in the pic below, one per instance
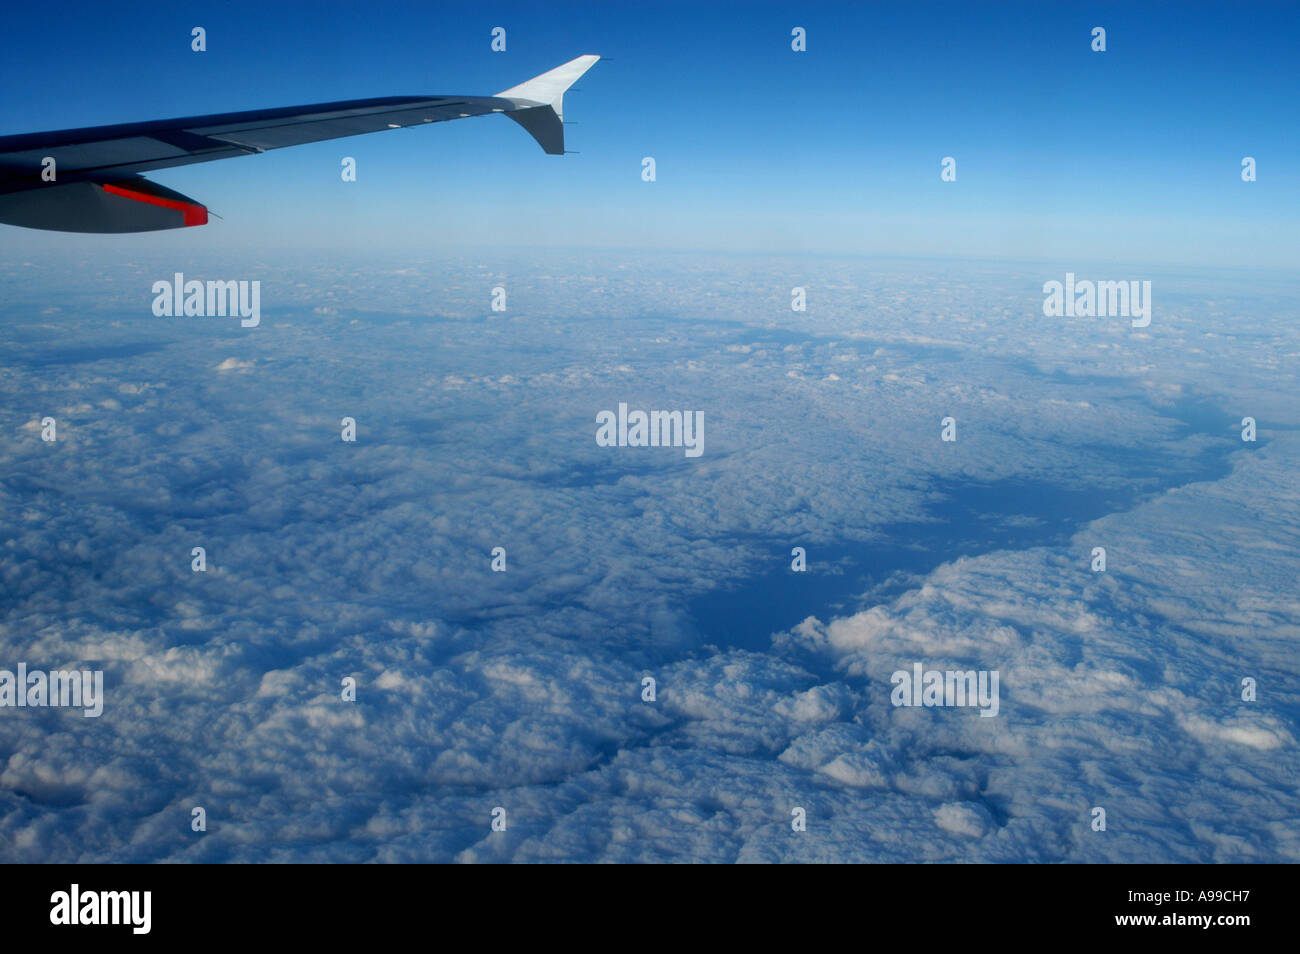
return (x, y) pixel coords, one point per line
(539, 102)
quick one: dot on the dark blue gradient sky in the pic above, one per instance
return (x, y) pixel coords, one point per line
(1130, 155)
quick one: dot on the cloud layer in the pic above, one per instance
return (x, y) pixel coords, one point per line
(475, 689)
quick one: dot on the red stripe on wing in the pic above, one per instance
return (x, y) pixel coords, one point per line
(195, 214)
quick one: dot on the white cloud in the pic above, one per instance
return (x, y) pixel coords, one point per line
(522, 689)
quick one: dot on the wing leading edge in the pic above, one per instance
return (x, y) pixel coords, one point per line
(98, 186)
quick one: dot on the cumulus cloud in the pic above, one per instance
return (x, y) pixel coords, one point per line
(475, 689)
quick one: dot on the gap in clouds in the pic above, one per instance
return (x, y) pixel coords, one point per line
(968, 518)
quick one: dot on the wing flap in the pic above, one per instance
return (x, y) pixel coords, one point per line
(336, 124)
(142, 147)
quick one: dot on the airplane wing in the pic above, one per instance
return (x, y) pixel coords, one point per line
(97, 184)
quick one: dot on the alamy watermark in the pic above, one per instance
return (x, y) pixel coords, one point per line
(74, 906)
(937, 687)
(214, 299)
(651, 429)
(76, 688)
(1089, 299)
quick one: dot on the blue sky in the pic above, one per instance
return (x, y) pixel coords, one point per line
(1132, 155)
